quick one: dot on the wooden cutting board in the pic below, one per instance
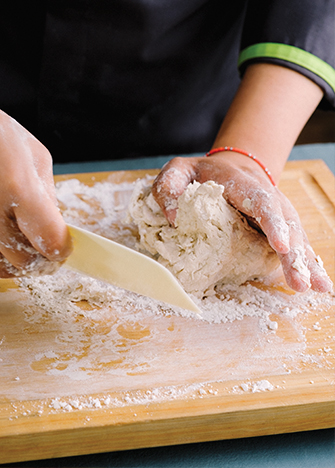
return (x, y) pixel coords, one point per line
(142, 380)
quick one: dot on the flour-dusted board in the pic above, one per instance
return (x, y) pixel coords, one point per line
(78, 384)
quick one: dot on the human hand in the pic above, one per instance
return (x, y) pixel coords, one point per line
(248, 189)
(33, 235)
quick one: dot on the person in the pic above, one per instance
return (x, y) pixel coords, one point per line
(129, 78)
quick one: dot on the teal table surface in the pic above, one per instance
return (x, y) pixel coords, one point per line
(313, 449)
(318, 151)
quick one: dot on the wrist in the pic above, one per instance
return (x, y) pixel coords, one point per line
(252, 157)
(268, 153)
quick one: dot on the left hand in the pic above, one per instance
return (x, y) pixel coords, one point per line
(266, 206)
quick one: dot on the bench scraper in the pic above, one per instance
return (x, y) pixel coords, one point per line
(113, 263)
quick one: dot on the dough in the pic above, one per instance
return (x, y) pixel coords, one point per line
(212, 243)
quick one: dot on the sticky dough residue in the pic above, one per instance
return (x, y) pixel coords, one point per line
(212, 243)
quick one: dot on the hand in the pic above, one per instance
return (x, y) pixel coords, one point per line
(32, 231)
(248, 189)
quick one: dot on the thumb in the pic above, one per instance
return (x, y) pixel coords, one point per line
(171, 183)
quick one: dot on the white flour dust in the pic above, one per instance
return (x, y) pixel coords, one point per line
(114, 339)
(102, 208)
(64, 293)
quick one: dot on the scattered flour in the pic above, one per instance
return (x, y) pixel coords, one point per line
(253, 387)
(64, 293)
(99, 208)
(100, 333)
(102, 208)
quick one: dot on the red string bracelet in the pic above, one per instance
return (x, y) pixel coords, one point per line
(251, 156)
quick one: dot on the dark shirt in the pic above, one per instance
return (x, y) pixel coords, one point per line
(98, 79)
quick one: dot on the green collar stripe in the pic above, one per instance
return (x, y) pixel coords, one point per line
(290, 54)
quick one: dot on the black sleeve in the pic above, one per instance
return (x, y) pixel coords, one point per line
(298, 34)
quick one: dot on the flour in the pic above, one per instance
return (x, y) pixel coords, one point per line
(91, 315)
(254, 387)
(99, 208)
(155, 395)
(38, 266)
(101, 337)
(102, 208)
(64, 292)
(211, 244)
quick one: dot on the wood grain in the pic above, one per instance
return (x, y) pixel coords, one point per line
(167, 405)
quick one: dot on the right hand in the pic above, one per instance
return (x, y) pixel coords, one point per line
(33, 235)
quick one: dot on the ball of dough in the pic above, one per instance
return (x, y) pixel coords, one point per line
(212, 243)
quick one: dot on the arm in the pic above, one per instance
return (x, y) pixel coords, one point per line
(272, 106)
(270, 109)
(32, 230)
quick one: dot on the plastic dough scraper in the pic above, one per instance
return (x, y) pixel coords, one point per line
(121, 266)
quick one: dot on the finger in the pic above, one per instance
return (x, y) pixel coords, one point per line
(39, 219)
(38, 266)
(33, 212)
(280, 223)
(295, 268)
(267, 212)
(296, 264)
(264, 207)
(18, 257)
(171, 183)
(303, 270)
(7, 270)
(320, 280)
(14, 246)
(301, 265)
